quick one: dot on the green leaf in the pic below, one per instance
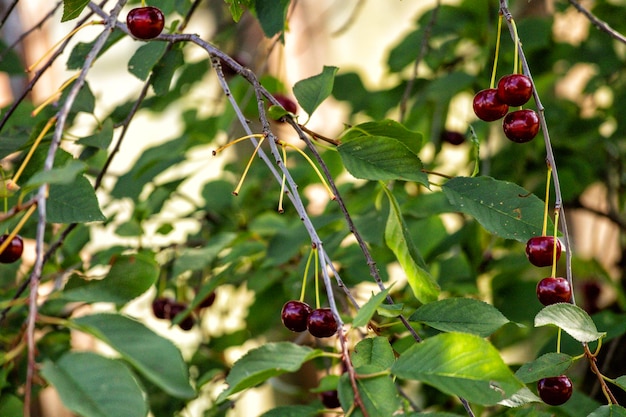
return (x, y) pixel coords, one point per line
(381, 158)
(520, 398)
(503, 208)
(73, 203)
(609, 411)
(78, 55)
(194, 259)
(271, 15)
(378, 394)
(145, 58)
(62, 175)
(102, 138)
(368, 309)
(72, 9)
(466, 315)
(548, 365)
(238, 7)
(621, 382)
(572, 319)
(11, 406)
(155, 357)
(311, 92)
(459, 364)
(292, 411)
(93, 386)
(373, 352)
(165, 69)
(264, 362)
(399, 240)
(129, 277)
(387, 128)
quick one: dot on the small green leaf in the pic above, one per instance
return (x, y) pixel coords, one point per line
(311, 92)
(11, 406)
(609, 411)
(550, 364)
(459, 364)
(238, 7)
(466, 315)
(373, 352)
(379, 395)
(100, 139)
(164, 70)
(572, 319)
(73, 203)
(503, 208)
(399, 240)
(62, 175)
(94, 386)
(194, 259)
(381, 158)
(387, 128)
(368, 309)
(276, 112)
(264, 362)
(129, 277)
(272, 15)
(621, 382)
(155, 357)
(145, 58)
(292, 411)
(520, 398)
(72, 9)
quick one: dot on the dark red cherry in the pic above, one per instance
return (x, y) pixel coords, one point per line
(286, 102)
(487, 105)
(145, 22)
(13, 251)
(295, 315)
(208, 301)
(177, 308)
(322, 323)
(161, 307)
(553, 290)
(515, 89)
(539, 250)
(330, 399)
(452, 137)
(521, 125)
(555, 390)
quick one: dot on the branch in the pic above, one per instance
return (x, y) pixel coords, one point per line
(600, 24)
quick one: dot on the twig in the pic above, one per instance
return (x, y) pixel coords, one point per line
(8, 13)
(600, 24)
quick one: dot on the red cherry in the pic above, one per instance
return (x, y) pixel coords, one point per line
(145, 22)
(13, 251)
(515, 89)
(188, 321)
(521, 125)
(330, 399)
(295, 315)
(208, 301)
(161, 307)
(453, 138)
(555, 390)
(322, 323)
(539, 250)
(487, 105)
(554, 290)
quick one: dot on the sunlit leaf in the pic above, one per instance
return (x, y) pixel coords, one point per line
(379, 395)
(72, 9)
(374, 353)
(368, 309)
(572, 319)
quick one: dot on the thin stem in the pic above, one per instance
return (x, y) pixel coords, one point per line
(317, 171)
(494, 69)
(245, 172)
(544, 229)
(306, 274)
(555, 242)
(32, 149)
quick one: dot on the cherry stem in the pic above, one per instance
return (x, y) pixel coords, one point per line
(282, 184)
(516, 66)
(544, 230)
(306, 274)
(317, 281)
(554, 243)
(229, 144)
(558, 341)
(317, 171)
(594, 368)
(495, 59)
(31, 151)
(17, 228)
(55, 95)
(63, 39)
(245, 172)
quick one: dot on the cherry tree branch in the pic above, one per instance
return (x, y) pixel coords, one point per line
(600, 24)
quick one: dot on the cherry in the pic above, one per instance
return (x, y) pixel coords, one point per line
(145, 22)
(208, 301)
(322, 323)
(295, 315)
(553, 290)
(515, 89)
(330, 399)
(555, 390)
(13, 251)
(487, 105)
(161, 307)
(453, 138)
(539, 250)
(521, 125)
(175, 309)
(286, 102)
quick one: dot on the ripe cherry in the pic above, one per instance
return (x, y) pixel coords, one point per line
(487, 105)
(177, 308)
(208, 301)
(287, 102)
(330, 399)
(553, 290)
(521, 125)
(13, 251)
(322, 323)
(161, 307)
(452, 137)
(515, 89)
(555, 390)
(145, 22)
(539, 250)
(295, 315)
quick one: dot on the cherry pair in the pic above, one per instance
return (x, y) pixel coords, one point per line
(298, 316)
